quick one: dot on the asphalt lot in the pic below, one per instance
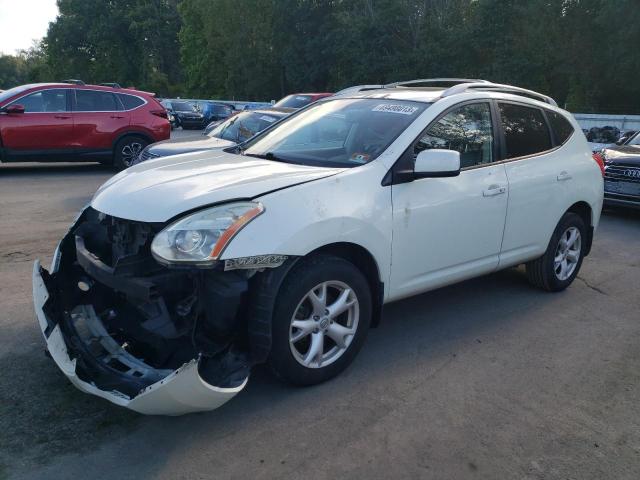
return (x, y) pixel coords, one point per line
(486, 379)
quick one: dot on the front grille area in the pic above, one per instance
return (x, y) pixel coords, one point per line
(618, 172)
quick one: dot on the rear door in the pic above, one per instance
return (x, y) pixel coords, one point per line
(43, 132)
(98, 118)
(538, 181)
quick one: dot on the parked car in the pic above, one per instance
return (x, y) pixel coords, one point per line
(299, 100)
(187, 115)
(170, 114)
(214, 112)
(622, 173)
(227, 133)
(68, 122)
(186, 271)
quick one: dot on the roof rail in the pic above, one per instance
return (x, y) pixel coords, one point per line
(73, 81)
(110, 84)
(498, 87)
(435, 82)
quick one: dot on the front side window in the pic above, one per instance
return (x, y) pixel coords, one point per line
(341, 132)
(525, 130)
(45, 101)
(561, 127)
(95, 101)
(466, 129)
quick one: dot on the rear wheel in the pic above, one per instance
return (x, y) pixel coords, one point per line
(321, 319)
(560, 264)
(127, 151)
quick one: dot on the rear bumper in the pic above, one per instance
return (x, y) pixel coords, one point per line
(178, 392)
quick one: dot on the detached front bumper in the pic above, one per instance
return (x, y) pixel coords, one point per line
(178, 392)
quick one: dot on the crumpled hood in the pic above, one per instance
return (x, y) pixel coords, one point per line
(187, 144)
(158, 190)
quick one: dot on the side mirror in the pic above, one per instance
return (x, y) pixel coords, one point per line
(437, 163)
(14, 108)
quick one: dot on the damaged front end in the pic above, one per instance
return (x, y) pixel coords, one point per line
(155, 339)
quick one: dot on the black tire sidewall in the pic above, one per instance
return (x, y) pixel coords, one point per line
(568, 220)
(303, 277)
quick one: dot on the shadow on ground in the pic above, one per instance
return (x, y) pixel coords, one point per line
(42, 416)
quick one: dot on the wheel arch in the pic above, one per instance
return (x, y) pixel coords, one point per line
(584, 210)
(131, 133)
(366, 263)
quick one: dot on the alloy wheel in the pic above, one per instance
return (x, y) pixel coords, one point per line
(130, 153)
(567, 253)
(324, 324)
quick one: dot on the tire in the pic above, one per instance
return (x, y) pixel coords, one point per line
(547, 272)
(126, 151)
(295, 361)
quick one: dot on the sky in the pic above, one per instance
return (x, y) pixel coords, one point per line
(23, 21)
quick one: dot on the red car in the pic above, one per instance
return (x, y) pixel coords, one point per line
(299, 100)
(66, 122)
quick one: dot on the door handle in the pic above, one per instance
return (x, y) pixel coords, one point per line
(64, 117)
(494, 190)
(116, 116)
(564, 175)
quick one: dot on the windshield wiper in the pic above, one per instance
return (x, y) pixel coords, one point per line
(266, 156)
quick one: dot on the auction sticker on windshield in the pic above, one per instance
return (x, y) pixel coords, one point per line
(394, 108)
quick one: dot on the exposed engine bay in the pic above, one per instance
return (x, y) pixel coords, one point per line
(129, 322)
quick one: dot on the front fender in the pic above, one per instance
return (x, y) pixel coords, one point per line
(351, 207)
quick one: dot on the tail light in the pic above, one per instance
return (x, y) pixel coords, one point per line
(160, 113)
(600, 161)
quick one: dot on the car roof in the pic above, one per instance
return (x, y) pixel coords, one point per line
(413, 94)
(433, 94)
(34, 86)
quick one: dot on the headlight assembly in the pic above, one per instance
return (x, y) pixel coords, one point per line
(200, 238)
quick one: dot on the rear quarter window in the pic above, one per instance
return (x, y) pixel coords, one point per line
(562, 128)
(130, 101)
(525, 130)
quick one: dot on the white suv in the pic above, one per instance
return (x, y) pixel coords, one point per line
(186, 271)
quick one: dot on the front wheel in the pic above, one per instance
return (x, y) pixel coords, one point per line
(321, 319)
(127, 151)
(560, 264)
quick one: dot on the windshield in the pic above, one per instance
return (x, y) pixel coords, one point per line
(294, 101)
(243, 126)
(183, 107)
(13, 91)
(635, 140)
(340, 132)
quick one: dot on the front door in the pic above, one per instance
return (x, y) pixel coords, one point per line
(43, 132)
(449, 229)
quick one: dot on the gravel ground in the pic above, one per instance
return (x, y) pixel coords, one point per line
(486, 379)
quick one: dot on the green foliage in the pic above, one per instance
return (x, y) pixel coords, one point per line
(582, 52)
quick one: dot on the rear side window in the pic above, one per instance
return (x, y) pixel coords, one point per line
(95, 101)
(44, 101)
(561, 127)
(129, 101)
(525, 130)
